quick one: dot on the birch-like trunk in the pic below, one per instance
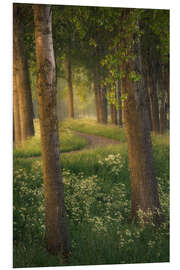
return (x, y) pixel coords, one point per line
(56, 225)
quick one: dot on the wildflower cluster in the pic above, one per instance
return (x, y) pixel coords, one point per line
(86, 201)
(163, 189)
(96, 202)
(113, 162)
(28, 206)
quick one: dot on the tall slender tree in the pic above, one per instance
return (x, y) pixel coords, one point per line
(16, 113)
(22, 76)
(96, 96)
(70, 89)
(119, 101)
(56, 226)
(163, 85)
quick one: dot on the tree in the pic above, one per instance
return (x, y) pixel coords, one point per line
(163, 86)
(70, 89)
(113, 114)
(144, 193)
(21, 74)
(155, 49)
(56, 228)
(91, 40)
(64, 32)
(120, 121)
(16, 113)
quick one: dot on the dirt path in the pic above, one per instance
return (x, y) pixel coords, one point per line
(94, 141)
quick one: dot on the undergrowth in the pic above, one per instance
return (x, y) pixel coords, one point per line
(97, 198)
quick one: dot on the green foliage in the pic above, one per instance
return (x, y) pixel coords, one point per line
(155, 40)
(134, 76)
(97, 198)
(96, 182)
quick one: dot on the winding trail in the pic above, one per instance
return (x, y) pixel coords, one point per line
(93, 142)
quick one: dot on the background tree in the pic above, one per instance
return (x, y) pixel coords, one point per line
(22, 76)
(155, 48)
(64, 32)
(16, 112)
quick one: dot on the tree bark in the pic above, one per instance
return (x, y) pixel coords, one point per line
(70, 90)
(56, 228)
(99, 91)
(144, 193)
(113, 114)
(154, 99)
(104, 105)
(96, 97)
(147, 98)
(16, 114)
(163, 99)
(120, 123)
(22, 78)
(168, 95)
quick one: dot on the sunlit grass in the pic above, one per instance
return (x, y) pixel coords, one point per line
(161, 139)
(69, 141)
(91, 126)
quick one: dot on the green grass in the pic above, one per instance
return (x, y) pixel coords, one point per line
(92, 127)
(97, 198)
(69, 141)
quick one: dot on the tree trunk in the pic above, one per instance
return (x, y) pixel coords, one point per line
(167, 109)
(154, 99)
(147, 98)
(120, 123)
(168, 95)
(96, 97)
(113, 114)
(144, 193)
(16, 114)
(56, 227)
(100, 92)
(104, 105)
(163, 99)
(70, 90)
(22, 78)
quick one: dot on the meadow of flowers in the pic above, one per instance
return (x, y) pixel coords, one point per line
(98, 207)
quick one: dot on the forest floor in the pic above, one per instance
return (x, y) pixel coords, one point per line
(97, 197)
(89, 141)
